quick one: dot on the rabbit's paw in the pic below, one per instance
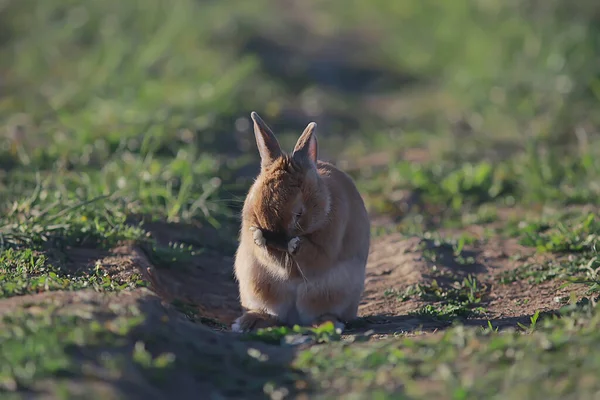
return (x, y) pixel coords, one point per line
(252, 320)
(258, 237)
(293, 245)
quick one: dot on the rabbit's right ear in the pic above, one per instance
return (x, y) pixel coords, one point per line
(306, 150)
(268, 146)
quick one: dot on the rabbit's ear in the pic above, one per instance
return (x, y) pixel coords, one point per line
(267, 143)
(306, 147)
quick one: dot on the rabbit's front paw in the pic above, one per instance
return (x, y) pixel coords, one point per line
(258, 237)
(253, 320)
(293, 245)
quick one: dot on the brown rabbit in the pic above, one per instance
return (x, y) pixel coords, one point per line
(304, 239)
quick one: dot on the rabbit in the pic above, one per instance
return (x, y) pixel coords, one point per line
(304, 239)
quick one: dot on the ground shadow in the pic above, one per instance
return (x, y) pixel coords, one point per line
(407, 324)
(206, 361)
(202, 280)
(194, 361)
(459, 264)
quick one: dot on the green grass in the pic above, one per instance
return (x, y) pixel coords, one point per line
(456, 188)
(119, 115)
(460, 298)
(465, 363)
(573, 238)
(25, 272)
(285, 335)
(38, 223)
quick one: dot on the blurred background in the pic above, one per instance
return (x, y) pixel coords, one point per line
(464, 102)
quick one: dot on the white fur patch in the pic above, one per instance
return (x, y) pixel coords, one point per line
(258, 237)
(236, 326)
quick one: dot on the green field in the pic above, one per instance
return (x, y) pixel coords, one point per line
(471, 128)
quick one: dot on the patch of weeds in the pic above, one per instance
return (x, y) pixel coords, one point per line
(27, 271)
(577, 235)
(403, 295)
(323, 333)
(535, 272)
(573, 236)
(591, 278)
(448, 311)
(489, 329)
(533, 322)
(455, 184)
(517, 228)
(460, 299)
(569, 268)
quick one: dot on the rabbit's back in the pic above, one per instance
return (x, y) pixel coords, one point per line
(349, 209)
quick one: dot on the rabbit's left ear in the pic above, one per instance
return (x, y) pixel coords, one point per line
(268, 146)
(306, 148)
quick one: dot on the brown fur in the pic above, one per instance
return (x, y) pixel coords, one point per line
(324, 275)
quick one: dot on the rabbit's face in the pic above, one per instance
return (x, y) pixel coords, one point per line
(289, 199)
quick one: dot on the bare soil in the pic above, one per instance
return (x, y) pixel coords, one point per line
(397, 262)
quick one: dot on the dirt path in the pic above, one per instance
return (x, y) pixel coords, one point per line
(404, 275)
(396, 264)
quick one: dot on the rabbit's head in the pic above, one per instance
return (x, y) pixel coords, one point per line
(289, 198)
